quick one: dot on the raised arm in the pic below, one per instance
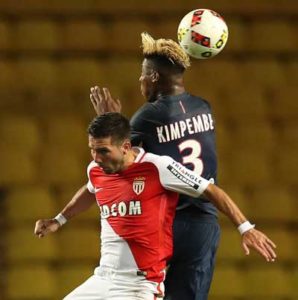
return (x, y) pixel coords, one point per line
(80, 202)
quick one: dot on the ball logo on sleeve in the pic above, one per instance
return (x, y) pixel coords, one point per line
(138, 185)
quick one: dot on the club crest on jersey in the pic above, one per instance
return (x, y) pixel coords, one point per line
(138, 185)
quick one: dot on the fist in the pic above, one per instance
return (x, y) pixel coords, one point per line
(43, 227)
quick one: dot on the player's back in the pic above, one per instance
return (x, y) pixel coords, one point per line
(182, 127)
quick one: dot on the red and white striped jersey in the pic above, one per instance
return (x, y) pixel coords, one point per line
(137, 210)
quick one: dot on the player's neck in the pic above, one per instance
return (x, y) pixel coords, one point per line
(130, 158)
(171, 91)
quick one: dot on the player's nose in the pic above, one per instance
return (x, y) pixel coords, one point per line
(97, 158)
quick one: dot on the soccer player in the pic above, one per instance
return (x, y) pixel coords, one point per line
(176, 123)
(137, 193)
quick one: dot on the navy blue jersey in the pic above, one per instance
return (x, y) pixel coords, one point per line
(182, 127)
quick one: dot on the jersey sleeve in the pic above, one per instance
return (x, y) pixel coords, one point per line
(175, 177)
(90, 186)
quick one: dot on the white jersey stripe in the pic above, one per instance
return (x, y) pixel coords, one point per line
(115, 252)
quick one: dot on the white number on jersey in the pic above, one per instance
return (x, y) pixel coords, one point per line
(194, 156)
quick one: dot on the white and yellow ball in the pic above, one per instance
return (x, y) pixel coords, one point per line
(202, 33)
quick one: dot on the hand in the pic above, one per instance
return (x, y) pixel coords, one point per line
(43, 227)
(103, 101)
(260, 242)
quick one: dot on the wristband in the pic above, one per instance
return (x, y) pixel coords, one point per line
(60, 219)
(245, 227)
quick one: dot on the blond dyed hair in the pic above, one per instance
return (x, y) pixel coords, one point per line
(165, 47)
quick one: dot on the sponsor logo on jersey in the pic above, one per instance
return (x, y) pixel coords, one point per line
(138, 185)
(189, 126)
(121, 209)
(184, 175)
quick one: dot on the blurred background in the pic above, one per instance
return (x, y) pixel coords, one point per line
(52, 52)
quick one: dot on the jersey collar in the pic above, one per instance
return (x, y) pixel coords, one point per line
(140, 155)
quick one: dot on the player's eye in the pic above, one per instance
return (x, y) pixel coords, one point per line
(102, 151)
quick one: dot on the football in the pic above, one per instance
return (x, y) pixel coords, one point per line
(202, 33)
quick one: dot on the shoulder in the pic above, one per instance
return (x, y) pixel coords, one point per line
(149, 111)
(205, 102)
(202, 101)
(147, 108)
(91, 166)
(157, 160)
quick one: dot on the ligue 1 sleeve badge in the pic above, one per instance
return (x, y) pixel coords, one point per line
(138, 185)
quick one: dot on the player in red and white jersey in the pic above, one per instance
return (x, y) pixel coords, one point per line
(137, 194)
(137, 212)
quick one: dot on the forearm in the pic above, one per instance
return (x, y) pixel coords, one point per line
(80, 202)
(251, 238)
(224, 204)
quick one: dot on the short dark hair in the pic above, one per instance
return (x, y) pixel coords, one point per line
(112, 125)
(164, 63)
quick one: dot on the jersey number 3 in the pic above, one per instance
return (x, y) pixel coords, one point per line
(194, 156)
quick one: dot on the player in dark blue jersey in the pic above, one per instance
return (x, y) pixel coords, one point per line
(180, 125)
(175, 123)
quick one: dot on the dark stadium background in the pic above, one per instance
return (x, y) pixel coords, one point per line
(52, 52)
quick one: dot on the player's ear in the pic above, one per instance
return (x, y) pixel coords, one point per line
(155, 76)
(126, 146)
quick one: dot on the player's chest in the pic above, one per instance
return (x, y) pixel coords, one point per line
(122, 189)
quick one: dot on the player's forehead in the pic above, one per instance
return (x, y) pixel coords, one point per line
(95, 143)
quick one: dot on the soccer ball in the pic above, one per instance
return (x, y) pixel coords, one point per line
(202, 33)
